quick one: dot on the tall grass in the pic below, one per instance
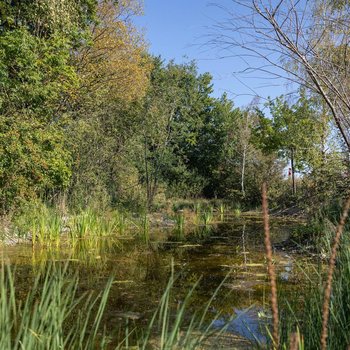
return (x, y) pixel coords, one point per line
(42, 223)
(222, 210)
(307, 314)
(89, 223)
(322, 319)
(175, 330)
(271, 269)
(207, 216)
(180, 225)
(144, 229)
(51, 316)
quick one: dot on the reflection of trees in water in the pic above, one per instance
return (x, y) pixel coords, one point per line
(153, 267)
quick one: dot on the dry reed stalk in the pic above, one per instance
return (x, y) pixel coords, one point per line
(331, 267)
(271, 268)
(294, 341)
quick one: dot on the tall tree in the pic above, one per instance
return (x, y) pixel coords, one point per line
(296, 131)
(113, 71)
(36, 78)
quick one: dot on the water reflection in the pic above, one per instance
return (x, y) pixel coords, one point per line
(250, 323)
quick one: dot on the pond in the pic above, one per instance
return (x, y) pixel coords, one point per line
(229, 253)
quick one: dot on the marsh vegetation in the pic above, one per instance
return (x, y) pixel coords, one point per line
(131, 196)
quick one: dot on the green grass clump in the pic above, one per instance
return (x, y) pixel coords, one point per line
(144, 228)
(207, 216)
(305, 314)
(174, 331)
(222, 210)
(51, 316)
(42, 223)
(180, 225)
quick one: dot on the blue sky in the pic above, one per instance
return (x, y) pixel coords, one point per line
(178, 28)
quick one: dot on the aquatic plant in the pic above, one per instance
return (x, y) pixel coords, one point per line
(324, 319)
(271, 269)
(222, 211)
(91, 225)
(207, 216)
(308, 317)
(83, 225)
(52, 316)
(47, 228)
(180, 225)
(41, 223)
(197, 207)
(331, 268)
(237, 210)
(120, 221)
(174, 331)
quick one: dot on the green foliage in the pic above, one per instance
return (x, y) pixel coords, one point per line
(33, 160)
(307, 317)
(85, 111)
(52, 316)
(299, 127)
(47, 17)
(35, 75)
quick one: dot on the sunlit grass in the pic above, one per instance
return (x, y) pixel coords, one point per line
(53, 315)
(305, 315)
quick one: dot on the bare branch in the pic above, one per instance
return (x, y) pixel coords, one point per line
(302, 41)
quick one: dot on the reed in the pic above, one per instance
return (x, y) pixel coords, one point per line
(271, 269)
(174, 331)
(222, 210)
(331, 267)
(321, 319)
(52, 316)
(207, 216)
(144, 229)
(180, 225)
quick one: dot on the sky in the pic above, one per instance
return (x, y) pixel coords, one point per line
(177, 29)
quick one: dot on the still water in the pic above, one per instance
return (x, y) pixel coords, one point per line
(228, 253)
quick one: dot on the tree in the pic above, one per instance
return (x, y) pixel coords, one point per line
(35, 76)
(304, 42)
(172, 116)
(44, 18)
(206, 156)
(113, 70)
(115, 63)
(292, 131)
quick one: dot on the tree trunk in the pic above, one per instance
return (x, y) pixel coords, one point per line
(294, 187)
(148, 184)
(243, 170)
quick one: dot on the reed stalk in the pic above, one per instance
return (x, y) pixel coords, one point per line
(271, 268)
(331, 267)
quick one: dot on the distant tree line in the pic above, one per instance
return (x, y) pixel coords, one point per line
(88, 115)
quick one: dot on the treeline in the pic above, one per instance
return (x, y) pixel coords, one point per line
(86, 114)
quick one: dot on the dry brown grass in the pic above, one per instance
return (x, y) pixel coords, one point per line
(271, 268)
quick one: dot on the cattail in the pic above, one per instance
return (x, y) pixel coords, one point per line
(271, 268)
